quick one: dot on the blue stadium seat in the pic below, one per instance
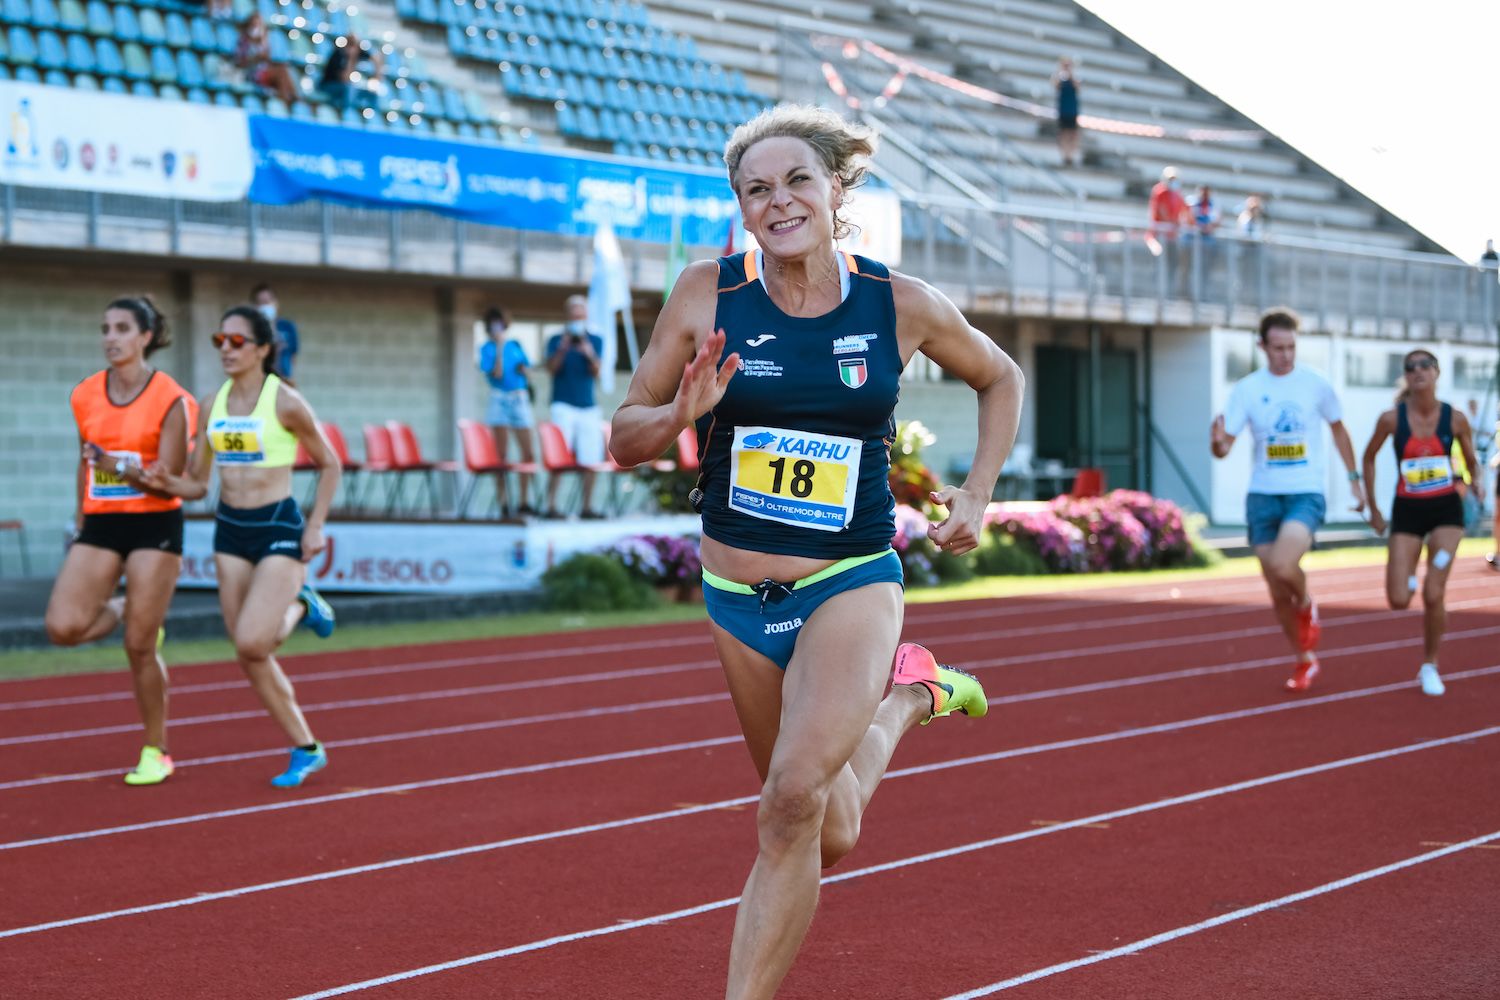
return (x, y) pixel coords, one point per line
(15, 12)
(22, 47)
(107, 60)
(169, 92)
(127, 25)
(197, 95)
(163, 66)
(201, 35)
(85, 81)
(276, 41)
(137, 63)
(141, 88)
(55, 78)
(453, 105)
(27, 74)
(43, 14)
(113, 85)
(588, 124)
(326, 114)
(302, 111)
(101, 22)
(443, 127)
(71, 16)
(225, 99)
(407, 9)
(178, 35)
(276, 109)
(252, 104)
(189, 69)
(80, 54)
(227, 38)
(567, 120)
(49, 51)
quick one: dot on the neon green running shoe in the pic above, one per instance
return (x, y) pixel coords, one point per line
(154, 768)
(952, 690)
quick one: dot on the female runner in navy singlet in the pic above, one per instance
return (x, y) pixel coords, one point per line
(788, 359)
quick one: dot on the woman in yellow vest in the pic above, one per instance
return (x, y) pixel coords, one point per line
(262, 542)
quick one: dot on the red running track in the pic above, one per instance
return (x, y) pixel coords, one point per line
(1144, 814)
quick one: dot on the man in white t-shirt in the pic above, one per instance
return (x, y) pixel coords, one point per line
(1283, 405)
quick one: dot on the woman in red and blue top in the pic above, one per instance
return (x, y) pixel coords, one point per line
(1428, 506)
(788, 358)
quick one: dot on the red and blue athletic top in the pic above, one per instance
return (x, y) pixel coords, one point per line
(1423, 465)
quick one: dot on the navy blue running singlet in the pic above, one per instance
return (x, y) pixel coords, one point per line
(796, 455)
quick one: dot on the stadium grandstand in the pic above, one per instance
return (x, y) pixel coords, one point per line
(572, 107)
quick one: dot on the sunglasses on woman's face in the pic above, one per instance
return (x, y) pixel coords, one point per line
(1412, 366)
(234, 340)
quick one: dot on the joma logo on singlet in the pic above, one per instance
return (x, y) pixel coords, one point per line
(776, 628)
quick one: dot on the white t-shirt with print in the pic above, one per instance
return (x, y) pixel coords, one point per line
(1284, 412)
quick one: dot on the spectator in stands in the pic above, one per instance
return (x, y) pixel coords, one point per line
(253, 55)
(264, 299)
(1490, 260)
(1252, 222)
(1205, 223)
(1065, 82)
(219, 10)
(573, 360)
(506, 366)
(1169, 217)
(342, 82)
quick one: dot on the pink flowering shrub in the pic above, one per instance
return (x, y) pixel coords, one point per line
(1122, 530)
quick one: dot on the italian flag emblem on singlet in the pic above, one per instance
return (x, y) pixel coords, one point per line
(852, 372)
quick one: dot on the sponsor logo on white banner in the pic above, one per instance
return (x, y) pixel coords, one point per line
(57, 137)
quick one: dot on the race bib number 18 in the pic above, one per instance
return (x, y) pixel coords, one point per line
(794, 477)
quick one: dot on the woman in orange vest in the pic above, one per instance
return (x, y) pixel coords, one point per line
(250, 429)
(129, 416)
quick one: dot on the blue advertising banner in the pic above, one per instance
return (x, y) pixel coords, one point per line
(494, 185)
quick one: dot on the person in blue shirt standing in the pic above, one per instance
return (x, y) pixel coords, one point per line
(573, 359)
(264, 298)
(506, 368)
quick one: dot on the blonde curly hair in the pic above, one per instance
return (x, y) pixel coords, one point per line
(843, 147)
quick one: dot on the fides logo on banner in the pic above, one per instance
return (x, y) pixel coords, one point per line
(58, 137)
(527, 189)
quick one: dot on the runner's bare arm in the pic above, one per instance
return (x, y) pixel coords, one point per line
(680, 376)
(1346, 452)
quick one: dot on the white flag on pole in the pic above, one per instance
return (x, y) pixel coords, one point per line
(609, 294)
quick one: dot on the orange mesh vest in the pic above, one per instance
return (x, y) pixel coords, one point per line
(131, 431)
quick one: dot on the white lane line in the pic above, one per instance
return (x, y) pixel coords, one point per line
(1069, 744)
(1136, 947)
(914, 619)
(980, 845)
(640, 672)
(476, 727)
(679, 813)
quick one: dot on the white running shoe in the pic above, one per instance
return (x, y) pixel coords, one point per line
(1431, 683)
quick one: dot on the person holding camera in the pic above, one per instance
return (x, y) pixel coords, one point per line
(573, 359)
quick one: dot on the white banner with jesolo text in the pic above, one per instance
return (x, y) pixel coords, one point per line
(441, 557)
(57, 137)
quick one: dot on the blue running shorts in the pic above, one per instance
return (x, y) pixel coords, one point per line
(1264, 513)
(768, 617)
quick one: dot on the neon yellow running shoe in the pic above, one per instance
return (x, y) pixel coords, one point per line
(952, 690)
(154, 768)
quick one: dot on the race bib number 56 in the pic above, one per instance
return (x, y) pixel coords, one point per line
(794, 477)
(236, 440)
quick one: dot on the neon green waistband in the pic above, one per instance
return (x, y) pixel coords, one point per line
(719, 583)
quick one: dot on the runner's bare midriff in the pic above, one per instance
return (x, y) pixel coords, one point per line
(745, 566)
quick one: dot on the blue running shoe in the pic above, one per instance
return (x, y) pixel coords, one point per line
(319, 615)
(303, 763)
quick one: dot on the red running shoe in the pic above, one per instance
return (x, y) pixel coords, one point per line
(1302, 677)
(1309, 630)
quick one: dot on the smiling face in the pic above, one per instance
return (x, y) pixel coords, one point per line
(787, 197)
(239, 360)
(124, 340)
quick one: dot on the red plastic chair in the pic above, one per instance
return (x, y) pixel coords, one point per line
(1088, 483)
(380, 459)
(687, 449)
(406, 454)
(481, 459)
(340, 446)
(557, 457)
